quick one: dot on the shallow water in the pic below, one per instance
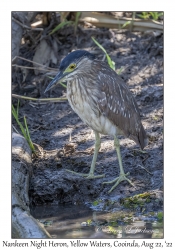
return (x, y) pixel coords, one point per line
(80, 222)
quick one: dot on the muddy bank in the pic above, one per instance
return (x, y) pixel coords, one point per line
(140, 58)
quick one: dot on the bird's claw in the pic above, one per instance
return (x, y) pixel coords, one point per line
(87, 176)
(122, 177)
(92, 176)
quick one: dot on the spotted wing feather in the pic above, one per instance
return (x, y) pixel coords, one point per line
(117, 103)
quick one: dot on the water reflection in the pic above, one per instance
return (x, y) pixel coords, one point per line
(80, 222)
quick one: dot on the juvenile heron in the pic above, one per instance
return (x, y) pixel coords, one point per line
(103, 101)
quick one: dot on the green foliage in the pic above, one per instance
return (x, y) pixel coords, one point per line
(68, 23)
(113, 223)
(155, 15)
(60, 26)
(25, 130)
(61, 83)
(112, 230)
(110, 62)
(125, 24)
(160, 216)
(77, 16)
(137, 200)
(119, 71)
(146, 15)
(46, 223)
(89, 222)
(95, 203)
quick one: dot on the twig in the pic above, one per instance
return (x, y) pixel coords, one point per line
(132, 22)
(35, 24)
(27, 67)
(104, 20)
(141, 151)
(145, 158)
(144, 169)
(40, 99)
(43, 67)
(22, 58)
(25, 26)
(15, 129)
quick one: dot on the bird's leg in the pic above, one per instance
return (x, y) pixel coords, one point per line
(92, 169)
(97, 148)
(122, 176)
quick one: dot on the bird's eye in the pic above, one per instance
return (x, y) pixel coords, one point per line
(72, 66)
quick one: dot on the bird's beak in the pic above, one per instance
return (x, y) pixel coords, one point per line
(55, 81)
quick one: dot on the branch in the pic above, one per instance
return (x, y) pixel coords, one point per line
(104, 20)
(60, 99)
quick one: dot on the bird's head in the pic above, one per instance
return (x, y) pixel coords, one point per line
(74, 64)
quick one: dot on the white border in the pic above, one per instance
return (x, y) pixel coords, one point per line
(5, 100)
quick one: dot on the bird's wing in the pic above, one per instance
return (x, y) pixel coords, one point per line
(116, 102)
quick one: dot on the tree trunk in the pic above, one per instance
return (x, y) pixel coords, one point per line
(23, 224)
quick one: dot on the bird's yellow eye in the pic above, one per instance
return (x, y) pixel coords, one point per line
(72, 66)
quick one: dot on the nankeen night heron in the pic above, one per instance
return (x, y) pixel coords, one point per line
(103, 101)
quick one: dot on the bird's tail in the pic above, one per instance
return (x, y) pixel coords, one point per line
(142, 137)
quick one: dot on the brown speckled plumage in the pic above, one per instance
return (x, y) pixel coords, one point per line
(103, 101)
(109, 97)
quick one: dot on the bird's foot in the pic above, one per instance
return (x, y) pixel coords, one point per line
(122, 177)
(87, 176)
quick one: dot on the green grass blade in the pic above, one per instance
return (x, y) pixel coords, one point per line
(110, 62)
(76, 20)
(119, 71)
(144, 15)
(28, 136)
(24, 131)
(155, 15)
(17, 110)
(160, 14)
(99, 45)
(14, 112)
(62, 84)
(60, 25)
(125, 24)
